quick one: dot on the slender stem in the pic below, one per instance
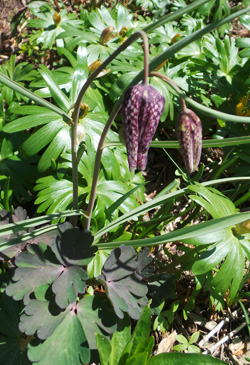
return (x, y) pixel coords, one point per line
(76, 112)
(168, 81)
(183, 104)
(98, 163)
(146, 58)
(57, 6)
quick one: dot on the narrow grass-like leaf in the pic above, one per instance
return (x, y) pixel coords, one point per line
(206, 143)
(15, 86)
(246, 316)
(33, 222)
(159, 201)
(184, 233)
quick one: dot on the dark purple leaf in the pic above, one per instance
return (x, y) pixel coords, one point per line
(124, 287)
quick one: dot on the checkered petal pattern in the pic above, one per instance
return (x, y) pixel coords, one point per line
(189, 133)
(142, 108)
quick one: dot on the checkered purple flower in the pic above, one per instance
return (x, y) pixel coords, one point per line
(189, 133)
(142, 108)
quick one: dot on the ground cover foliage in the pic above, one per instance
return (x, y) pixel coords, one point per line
(94, 255)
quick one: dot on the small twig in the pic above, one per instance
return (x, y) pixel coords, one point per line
(216, 329)
(225, 339)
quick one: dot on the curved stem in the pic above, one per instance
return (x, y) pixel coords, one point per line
(168, 81)
(76, 112)
(201, 108)
(98, 163)
(183, 104)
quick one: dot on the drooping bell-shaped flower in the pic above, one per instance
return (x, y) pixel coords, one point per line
(142, 108)
(189, 133)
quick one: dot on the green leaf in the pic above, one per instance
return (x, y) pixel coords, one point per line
(60, 98)
(21, 124)
(72, 348)
(200, 229)
(54, 195)
(119, 340)
(140, 333)
(182, 339)
(41, 138)
(172, 358)
(194, 338)
(217, 204)
(158, 200)
(81, 73)
(138, 359)
(33, 270)
(18, 88)
(73, 246)
(104, 349)
(59, 143)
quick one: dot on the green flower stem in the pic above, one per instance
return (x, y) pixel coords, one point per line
(203, 109)
(98, 163)
(242, 199)
(76, 112)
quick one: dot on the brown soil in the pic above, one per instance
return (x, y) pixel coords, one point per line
(7, 9)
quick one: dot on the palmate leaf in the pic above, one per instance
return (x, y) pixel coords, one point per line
(95, 314)
(54, 195)
(42, 265)
(229, 246)
(51, 314)
(92, 314)
(53, 132)
(114, 182)
(45, 12)
(124, 286)
(67, 345)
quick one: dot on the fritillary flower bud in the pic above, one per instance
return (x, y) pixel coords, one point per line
(57, 18)
(142, 108)
(242, 228)
(189, 133)
(107, 34)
